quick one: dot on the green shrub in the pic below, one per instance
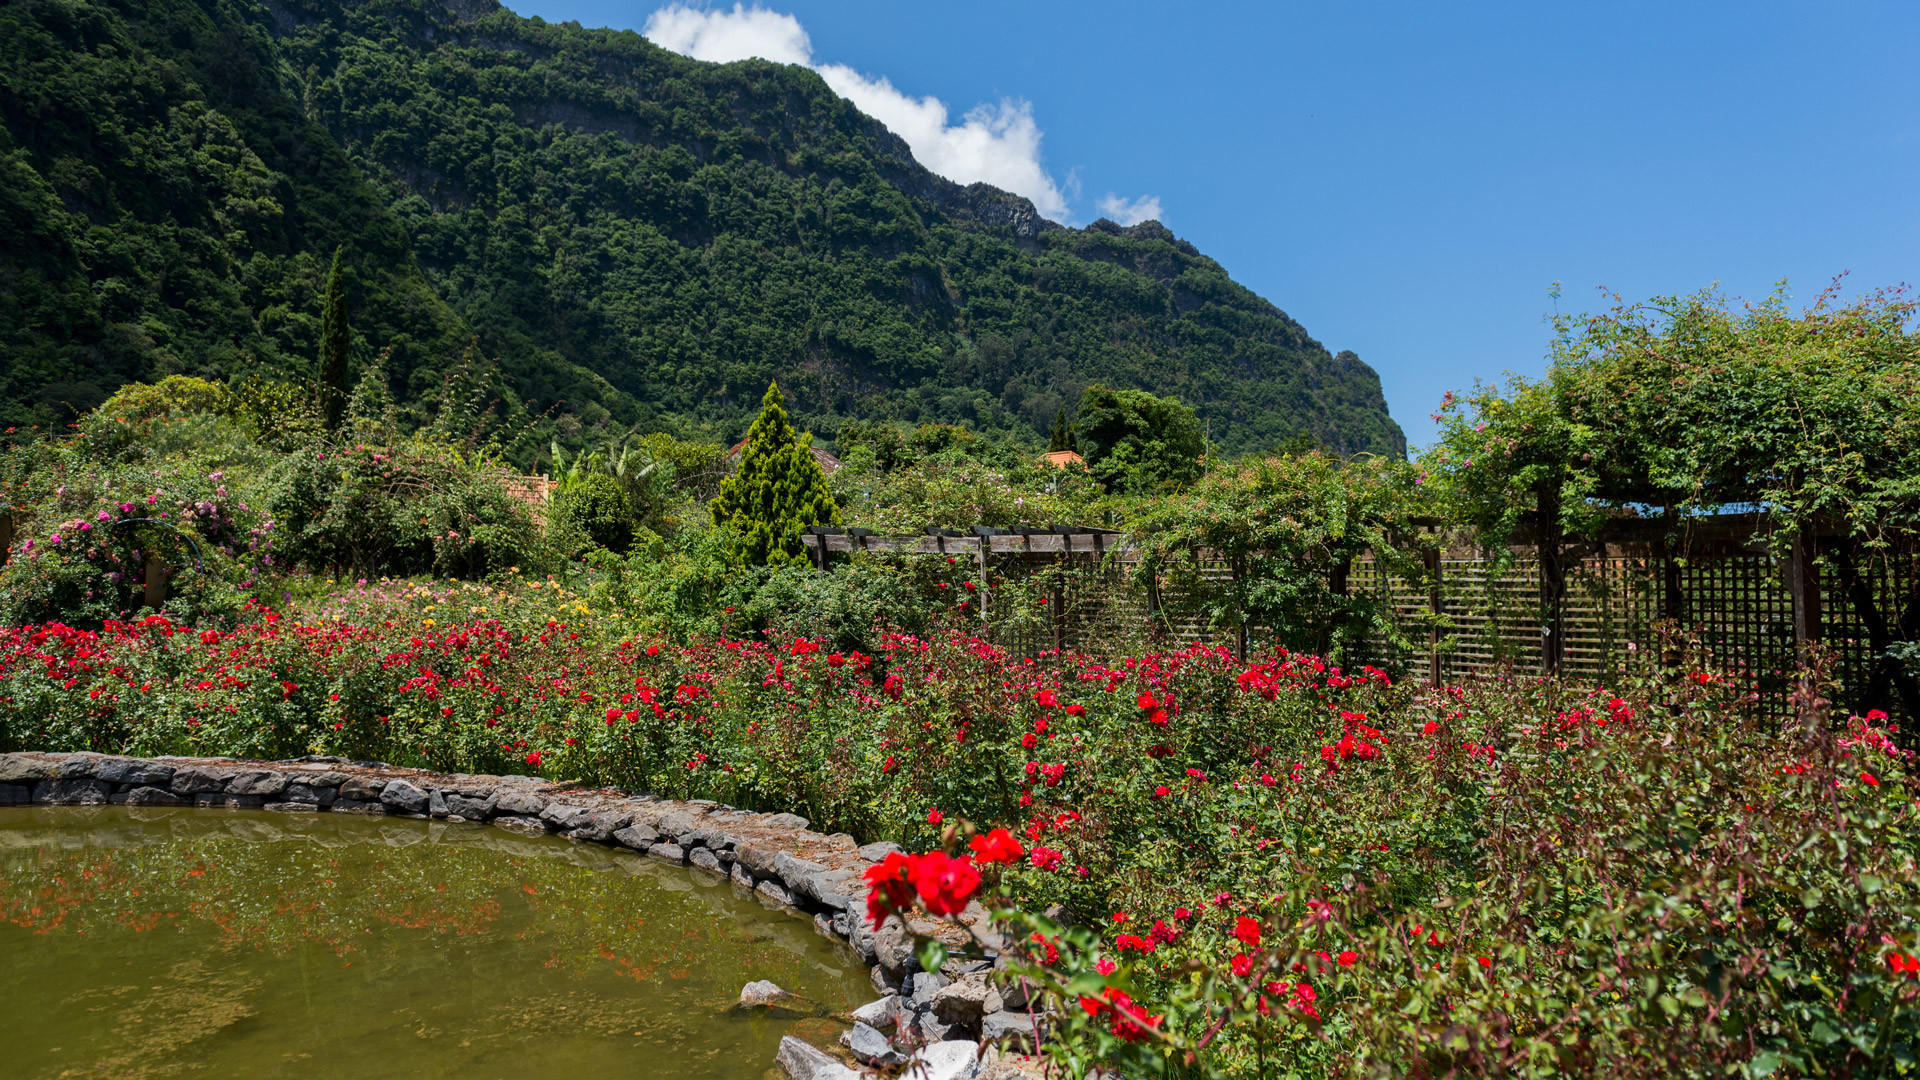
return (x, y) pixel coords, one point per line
(598, 506)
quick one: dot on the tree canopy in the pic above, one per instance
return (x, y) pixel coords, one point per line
(1685, 405)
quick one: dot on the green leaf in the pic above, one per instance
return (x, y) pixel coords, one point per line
(1811, 898)
(932, 953)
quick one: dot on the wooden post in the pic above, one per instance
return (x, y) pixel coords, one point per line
(1240, 624)
(1549, 547)
(1802, 575)
(1436, 607)
(1058, 607)
(981, 543)
(156, 594)
(6, 538)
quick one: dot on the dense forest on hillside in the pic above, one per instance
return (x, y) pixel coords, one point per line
(639, 239)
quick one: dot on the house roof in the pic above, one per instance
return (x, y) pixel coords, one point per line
(1060, 459)
(828, 463)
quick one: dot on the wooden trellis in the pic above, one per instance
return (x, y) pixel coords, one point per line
(1751, 596)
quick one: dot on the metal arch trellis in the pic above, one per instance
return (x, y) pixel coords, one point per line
(199, 564)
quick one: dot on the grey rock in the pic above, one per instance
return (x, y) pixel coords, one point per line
(763, 992)
(522, 823)
(518, 802)
(257, 783)
(563, 817)
(437, 803)
(345, 805)
(758, 855)
(705, 860)
(193, 781)
(803, 1061)
(962, 1002)
(328, 779)
(877, 851)
(15, 794)
(151, 796)
(637, 837)
(843, 842)
(292, 807)
(1012, 1027)
(306, 793)
(775, 892)
(404, 797)
(741, 877)
(73, 792)
(838, 889)
(18, 768)
(667, 853)
(471, 808)
(134, 771)
(881, 1014)
(893, 947)
(792, 869)
(859, 934)
(784, 821)
(725, 856)
(925, 985)
(935, 1029)
(363, 788)
(873, 1048)
(77, 767)
(884, 981)
(945, 1060)
(823, 925)
(678, 823)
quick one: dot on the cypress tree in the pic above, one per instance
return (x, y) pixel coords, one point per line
(1057, 438)
(775, 492)
(333, 347)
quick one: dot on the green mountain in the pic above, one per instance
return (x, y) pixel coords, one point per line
(640, 239)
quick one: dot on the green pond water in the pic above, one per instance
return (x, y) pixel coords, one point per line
(139, 942)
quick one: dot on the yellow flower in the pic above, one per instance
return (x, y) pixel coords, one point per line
(426, 622)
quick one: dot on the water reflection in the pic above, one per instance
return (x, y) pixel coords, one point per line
(158, 943)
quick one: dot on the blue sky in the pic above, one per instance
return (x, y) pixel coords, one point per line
(1409, 180)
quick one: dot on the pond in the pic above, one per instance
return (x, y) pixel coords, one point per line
(139, 942)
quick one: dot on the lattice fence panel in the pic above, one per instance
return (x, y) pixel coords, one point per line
(1892, 580)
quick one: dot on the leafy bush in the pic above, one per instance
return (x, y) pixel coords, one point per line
(419, 505)
(599, 507)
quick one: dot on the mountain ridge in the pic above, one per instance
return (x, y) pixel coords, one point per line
(641, 238)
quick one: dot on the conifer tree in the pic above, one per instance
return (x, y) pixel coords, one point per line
(1061, 437)
(333, 347)
(775, 492)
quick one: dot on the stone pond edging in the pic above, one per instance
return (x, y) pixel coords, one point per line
(775, 856)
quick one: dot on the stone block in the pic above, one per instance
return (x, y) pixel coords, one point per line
(199, 778)
(135, 771)
(403, 797)
(257, 782)
(637, 837)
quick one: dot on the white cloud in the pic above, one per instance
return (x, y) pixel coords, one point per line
(725, 36)
(992, 144)
(1131, 211)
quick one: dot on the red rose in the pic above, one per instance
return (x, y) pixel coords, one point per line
(997, 846)
(888, 888)
(945, 884)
